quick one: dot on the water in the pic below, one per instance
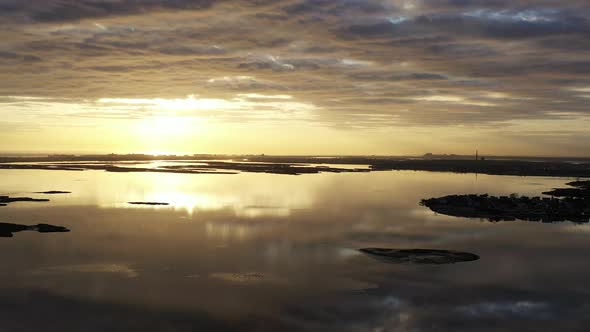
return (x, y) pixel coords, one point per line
(271, 252)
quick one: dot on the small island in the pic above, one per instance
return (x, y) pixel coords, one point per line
(569, 204)
(4, 200)
(6, 229)
(419, 256)
(148, 203)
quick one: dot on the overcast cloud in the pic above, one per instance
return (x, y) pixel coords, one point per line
(353, 63)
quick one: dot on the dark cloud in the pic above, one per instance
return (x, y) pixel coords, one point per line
(384, 76)
(479, 23)
(19, 57)
(338, 8)
(462, 50)
(191, 50)
(565, 43)
(71, 10)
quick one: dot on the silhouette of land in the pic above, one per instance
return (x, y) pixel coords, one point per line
(196, 166)
(492, 167)
(148, 203)
(53, 192)
(6, 229)
(419, 256)
(295, 165)
(4, 200)
(582, 189)
(574, 205)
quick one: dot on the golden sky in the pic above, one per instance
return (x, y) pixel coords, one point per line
(390, 77)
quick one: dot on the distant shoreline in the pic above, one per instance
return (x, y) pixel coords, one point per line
(30, 157)
(295, 165)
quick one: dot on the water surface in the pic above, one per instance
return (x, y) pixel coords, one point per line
(270, 252)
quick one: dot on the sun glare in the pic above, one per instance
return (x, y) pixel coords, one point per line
(164, 126)
(164, 135)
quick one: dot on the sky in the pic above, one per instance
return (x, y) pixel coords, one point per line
(353, 77)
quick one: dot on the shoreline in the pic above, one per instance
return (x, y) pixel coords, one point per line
(216, 164)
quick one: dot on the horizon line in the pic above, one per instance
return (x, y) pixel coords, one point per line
(182, 154)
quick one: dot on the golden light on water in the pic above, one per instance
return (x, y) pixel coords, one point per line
(245, 196)
(188, 202)
(194, 202)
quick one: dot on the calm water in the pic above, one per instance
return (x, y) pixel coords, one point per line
(263, 252)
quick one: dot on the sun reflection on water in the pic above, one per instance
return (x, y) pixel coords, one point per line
(247, 196)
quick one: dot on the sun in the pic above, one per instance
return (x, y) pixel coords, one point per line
(163, 126)
(165, 135)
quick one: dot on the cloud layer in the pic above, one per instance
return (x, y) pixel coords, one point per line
(359, 64)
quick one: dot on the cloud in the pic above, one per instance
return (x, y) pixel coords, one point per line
(384, 76)
(245, 107)
(386, 59)
(9, 56)
(503, 309)
(269, 62)
(71, 10)
(244, 83)
(192, 50)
